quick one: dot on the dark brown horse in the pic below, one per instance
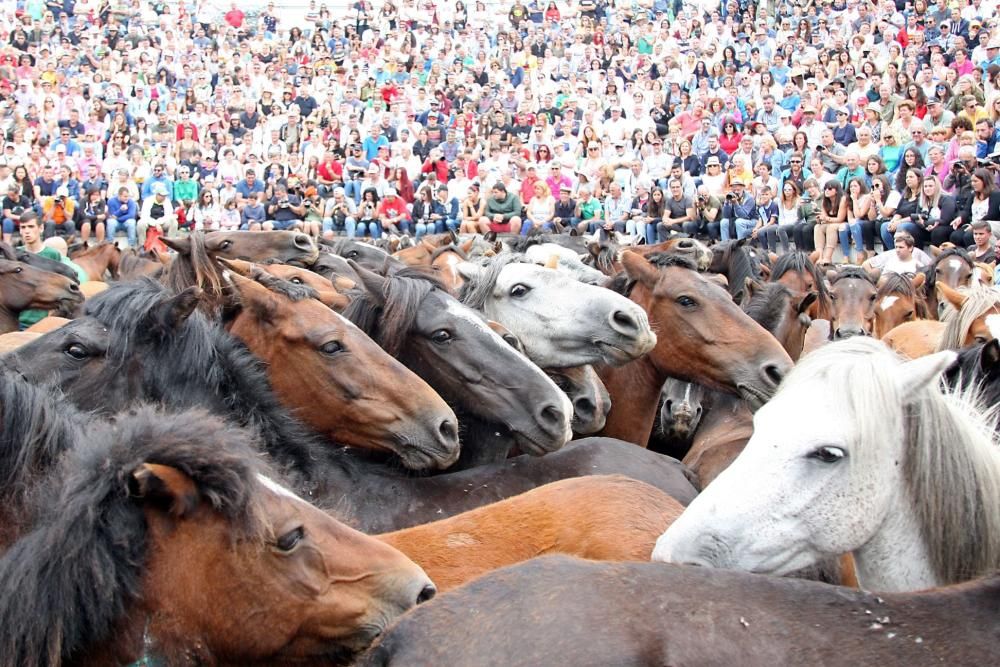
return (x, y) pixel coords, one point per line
(796, 271)
(23, 287)
(900, 299)
(337, 380)
(702, 336)
(136, 264)
(97, 260)
(162, 510)
(853, 296)
(293, 248)
(563, 611)
(330, 292)
(139, 341)
(780, 311)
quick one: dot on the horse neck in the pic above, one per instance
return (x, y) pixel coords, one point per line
(896, 557)
(634, 390)
(8, 320)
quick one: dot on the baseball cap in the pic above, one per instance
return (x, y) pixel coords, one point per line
(390, 191)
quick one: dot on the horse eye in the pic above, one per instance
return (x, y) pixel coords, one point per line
(512, 340)
(981, 340)
(225, 245)
(18, 270)
(332, 347)
(686, 301)
(441, 336)
(519, 290)
(828, 454)
(352, 254)
(909, 315)
(295, 280)
(290, 540)
(77, 351)
(872, 297)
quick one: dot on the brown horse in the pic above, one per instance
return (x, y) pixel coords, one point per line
(564, 611)
(23, 287)
(165, 512)
(98, 260)
(330, 293)
(796, 271)
(337, 380)
(606, 255)
(702, 336)
(780, 311)
(853, 297)
(900, 299)
(135, 264)
(293, 248)
(955, 268)
(977, 316)
(605, 517)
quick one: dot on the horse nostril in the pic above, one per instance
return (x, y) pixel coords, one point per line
(845, 332)
(73, 287)
(685, 243)
(551, 416)
(448, 430)
(624, 323)
(426, 593)
(773, 374)
(302, 242)
(584, 406)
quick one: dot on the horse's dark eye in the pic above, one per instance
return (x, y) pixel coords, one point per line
(686, 301)
(519, 290)
(441, 336)
(981, 340)
(512, 340)
(225, 245)
(909, 316)
(828, 454)
(872, 297)
(331, 348)
(295, 280)
(77, 351)
(352, 254)
(290, 540)
(18, 270)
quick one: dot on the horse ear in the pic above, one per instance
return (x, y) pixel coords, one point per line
(165, 487)
(240, 267)
(831, 275)
(989, 358)
(808, 300)
(255, 293)
(718, 279)
(749, 287)
(638, 268)
(373, 283)
(918, 280)
(765, 271)
(933, 250)
(180, 244)
(951, 295)
(922, 372)
(467, 246)
(173, 312)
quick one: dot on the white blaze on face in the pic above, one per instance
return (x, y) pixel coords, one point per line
(888, 302)
(955, 263)
(278, 489)
(993, 324)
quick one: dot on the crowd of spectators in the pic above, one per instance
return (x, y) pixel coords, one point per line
(816, 124)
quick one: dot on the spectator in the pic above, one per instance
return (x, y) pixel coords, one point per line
(156, 218)
(503, 211)
(123, 212)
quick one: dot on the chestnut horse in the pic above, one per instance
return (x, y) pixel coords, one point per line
(97, 260)
(566, 611)
(139, 341)
(953, 267)
(601, 517)
(331, 293)
(337, 380)
(796, 271)
(853, 297)
(972, 316)
(900, 299)
(23, 287)
(702, 336)
(163, 510)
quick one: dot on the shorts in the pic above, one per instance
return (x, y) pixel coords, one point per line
(499, 227)
(284, 225)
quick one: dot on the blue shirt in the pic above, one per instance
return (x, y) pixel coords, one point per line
(119, 211)
(371, 146)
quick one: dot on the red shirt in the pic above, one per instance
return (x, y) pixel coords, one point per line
(180, 131)
(392, 207)
(234, 17)
(330, 171)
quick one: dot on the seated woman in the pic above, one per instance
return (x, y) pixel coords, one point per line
(904, 258)
(832, 216)
(541, 209)
(983, 205)
(900, 206)
(860, 212)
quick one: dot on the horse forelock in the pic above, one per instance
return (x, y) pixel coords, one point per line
(66, 585)
(768, 305)
(404, 293)
(477, 290)
(951, 470)
(979, 300)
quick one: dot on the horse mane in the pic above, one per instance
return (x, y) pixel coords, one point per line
(739, 265)
(852, 272)
(387, 318)
(66, 585)
(37, 426)
(451, 247)
(196, 268)
(966, 374)
(621, 283)
(799, 262)
(952, 466)
(200, 366)
(899, 283)
(767, 305)
(978, 300)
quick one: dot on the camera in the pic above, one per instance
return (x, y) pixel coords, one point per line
(959, 168)
(730, 196)
(821, 149)
(60, 199)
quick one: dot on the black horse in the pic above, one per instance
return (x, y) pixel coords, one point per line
(140, 342)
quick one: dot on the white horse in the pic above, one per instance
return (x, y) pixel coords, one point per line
(857, 452)
(561, 322)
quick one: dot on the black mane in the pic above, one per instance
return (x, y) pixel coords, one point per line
(388, 317)
(734, 259)
(767, 305)
(978, 367)
(198, 365)
(66, 585)
(196, 268)
(930, 284)
(852, 272)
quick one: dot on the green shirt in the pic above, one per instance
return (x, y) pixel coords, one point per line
(185, 190)
(590, 209)
(33, 316)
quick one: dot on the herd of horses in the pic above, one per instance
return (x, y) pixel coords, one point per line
(257, 450)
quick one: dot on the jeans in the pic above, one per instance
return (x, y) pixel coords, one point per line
(852, 231)
(773, 234)
(363, 227)
(67, 228)
(129, 225)
(336, 224)
(422, 228)
(8, 226)
(353, 189)
(743, 228)
(912, 228)
(448, 224)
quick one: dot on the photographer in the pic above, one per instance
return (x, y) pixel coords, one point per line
(959, 180)
(284, 211)
(313, 221)
(983, 205)
(739, 214)
(58, 214)
(708, 212)
(13, 205)
(339, 214)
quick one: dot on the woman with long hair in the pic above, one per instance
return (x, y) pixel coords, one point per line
(901, 204)
(912, 159)
(859, 213)
(832, 216)
(788, 217)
